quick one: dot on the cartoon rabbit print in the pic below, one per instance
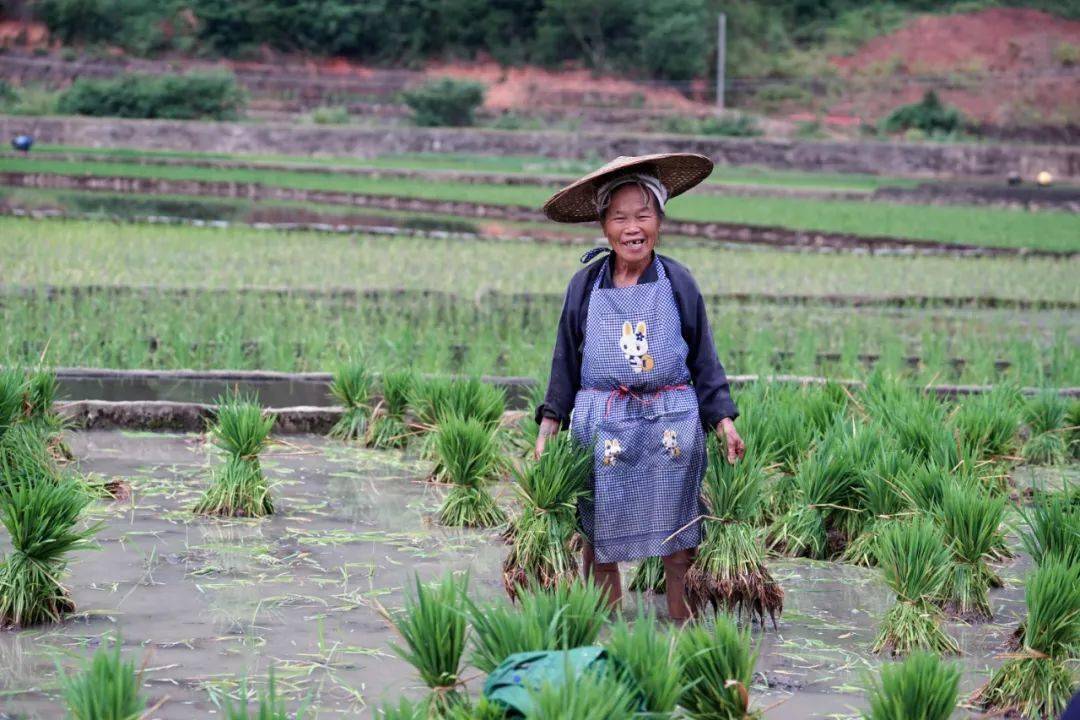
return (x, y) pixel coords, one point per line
(635, 346)
(612, 451)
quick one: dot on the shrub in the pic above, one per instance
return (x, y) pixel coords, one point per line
(329, 115)
(929, 115)
(729, 125)
(213, 96)
(445, 101)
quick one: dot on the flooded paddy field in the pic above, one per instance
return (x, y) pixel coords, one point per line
(204, 602)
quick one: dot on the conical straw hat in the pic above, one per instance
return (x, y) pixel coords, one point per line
(677, 171)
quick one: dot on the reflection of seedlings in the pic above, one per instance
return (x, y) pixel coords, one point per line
(920, 687)
(239, 487)
(1038, 680)
(387, 428)
(351, 387)
(40, 517)
(916, 562)
(468, 452)
(717, 670)
(970, 517)
(107, 688)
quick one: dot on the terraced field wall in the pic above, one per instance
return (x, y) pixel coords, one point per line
(885, 158)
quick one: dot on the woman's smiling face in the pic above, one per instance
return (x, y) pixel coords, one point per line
(632, 223)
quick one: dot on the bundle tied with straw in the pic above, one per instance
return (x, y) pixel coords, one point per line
(435, 400)
(1038, 680)
(970, 517)
(40, 397)
(915, 560)
(880, 498)
(468, 452)
(239, 488)
(921, 687)
(351, 387)
(542, 548)
(729, 572)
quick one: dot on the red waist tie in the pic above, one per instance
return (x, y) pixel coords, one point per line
(623, 391)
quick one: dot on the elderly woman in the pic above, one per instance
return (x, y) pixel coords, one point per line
(635, 374)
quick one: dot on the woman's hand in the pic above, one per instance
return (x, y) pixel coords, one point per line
(736, 448)
(548, 427)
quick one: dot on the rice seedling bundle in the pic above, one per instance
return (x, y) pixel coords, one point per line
(434, 628)
(25, 457)
(881, 502)
(970, 518)
(915, 560)
(434, 401)
(40, 518)
(987, 424)
(718, 666)
(11, 398)
(728, 573)
(469, 456)
(1046, 416)
(649, 660)
(570, 614)
(1072, 429)
(387, 428)
(528, 430)
(1052, 529)
(239, 487)
(351, 387)
(921, 687)
(820, 404)
(107, 688)
(916, 420)
(591, 696)
(649, 576)
(542, 546)
(1038, 681)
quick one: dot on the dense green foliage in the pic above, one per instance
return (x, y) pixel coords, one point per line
(445, 101)
(213, 96)
(929, 115)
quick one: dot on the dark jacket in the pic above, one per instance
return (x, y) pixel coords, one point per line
(706, 372)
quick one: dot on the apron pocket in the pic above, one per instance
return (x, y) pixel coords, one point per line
(675, 439)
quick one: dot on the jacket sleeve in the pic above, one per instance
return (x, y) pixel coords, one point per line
(706, 372)
(565, 378)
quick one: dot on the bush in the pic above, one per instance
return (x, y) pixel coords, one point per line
(329, 115)
(729, 125)
(212, 96)
(929, 116)
(445, 101)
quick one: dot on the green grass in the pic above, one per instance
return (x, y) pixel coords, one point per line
(972, 225)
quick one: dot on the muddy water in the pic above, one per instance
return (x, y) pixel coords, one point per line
(205, 602)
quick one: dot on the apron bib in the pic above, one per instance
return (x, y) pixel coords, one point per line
(638, 411)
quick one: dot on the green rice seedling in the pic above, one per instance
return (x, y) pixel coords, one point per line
(270, 705)
(482, 709)
(40, 518)
(405, 709)
(387, 428)
(970, 518)
(1072, 429)
(718, 666)
(549, 488)
(1046, 415)
(351, 387)
(239, 488)
(107, 688)
(429, 400)
(470, 399)
(591, 696)
(881, 501)
(821, 404)
(728, 573)
(11, 398)
(922, 686)
(650, 660)
(917, 421)
(924, 487)
(25, 457)
(527, 429)
(40, 397)
(1052, 528)
(1038, 681)
(568, 615)
(987, 425)
(915, 560)
(649, 576)
(469, 456)
(434, 627)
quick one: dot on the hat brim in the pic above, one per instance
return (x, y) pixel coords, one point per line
(677, 171)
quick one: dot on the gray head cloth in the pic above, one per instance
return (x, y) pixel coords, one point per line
(603, 193)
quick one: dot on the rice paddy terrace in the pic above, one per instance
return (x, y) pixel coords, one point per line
(302, 559)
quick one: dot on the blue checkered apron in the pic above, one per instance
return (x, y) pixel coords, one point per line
(638, 411)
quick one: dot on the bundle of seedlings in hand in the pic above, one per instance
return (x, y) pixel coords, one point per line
(881, 501)
(1053, 528)
(468, 453)
(569, 615)
(434, 627)
(915, 560)
(728, 572)
(271, 706)
(819, 523)
(717, 669)
(1038, 681)
(920, 687)
(351, 387)
(542, 549)
(987, 424)
(40, 517)
(649, 576)
(970, 518)
(387, 428)
(649, 661)
(106, 689)
(239, 488)
(1046, 415)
